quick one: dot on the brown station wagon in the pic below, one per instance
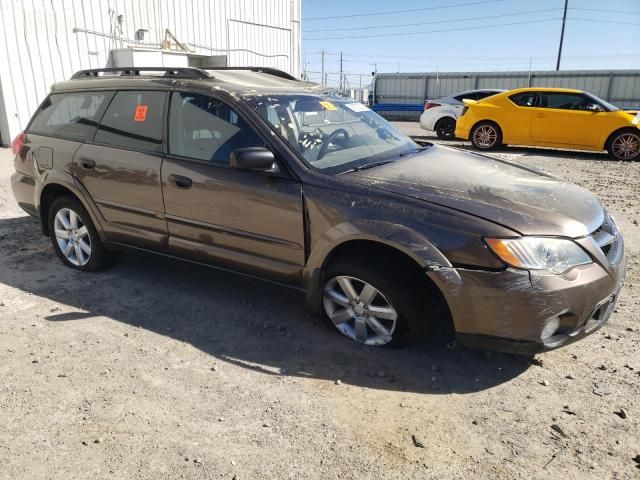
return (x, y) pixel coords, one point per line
(256, 172)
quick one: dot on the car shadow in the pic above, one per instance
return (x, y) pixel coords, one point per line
(239, 320)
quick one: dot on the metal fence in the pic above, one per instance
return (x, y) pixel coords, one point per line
(401, 96)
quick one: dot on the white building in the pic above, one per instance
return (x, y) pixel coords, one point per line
(46, 41)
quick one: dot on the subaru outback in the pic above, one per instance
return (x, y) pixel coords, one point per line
(254, 171)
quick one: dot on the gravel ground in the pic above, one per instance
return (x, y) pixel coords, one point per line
(157, 369)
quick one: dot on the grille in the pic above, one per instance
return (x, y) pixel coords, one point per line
(606, 237)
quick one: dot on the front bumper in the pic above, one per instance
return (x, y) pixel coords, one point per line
(529, 312)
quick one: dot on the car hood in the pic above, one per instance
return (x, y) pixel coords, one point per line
(521, 198)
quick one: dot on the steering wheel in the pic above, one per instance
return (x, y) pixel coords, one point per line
(329, 138)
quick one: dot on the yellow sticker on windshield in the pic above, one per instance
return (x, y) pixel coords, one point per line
(328, 106)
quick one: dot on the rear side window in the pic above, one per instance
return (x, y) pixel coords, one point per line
(524, 99)
(205, 128)
(133, 120)
(72, 116)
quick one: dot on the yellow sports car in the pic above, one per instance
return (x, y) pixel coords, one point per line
(550, 117)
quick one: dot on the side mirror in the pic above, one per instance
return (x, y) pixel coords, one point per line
(256, 159)
(594, 107)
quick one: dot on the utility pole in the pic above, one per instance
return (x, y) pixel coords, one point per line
(323, 78)
(564, 20)
(340, 81)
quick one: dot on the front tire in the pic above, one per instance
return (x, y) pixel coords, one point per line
(372, 306)
(74, 237)
(624, 145)
(446, 128)
(486, 136)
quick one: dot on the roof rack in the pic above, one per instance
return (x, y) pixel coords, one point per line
(269, 71)
(136, 71)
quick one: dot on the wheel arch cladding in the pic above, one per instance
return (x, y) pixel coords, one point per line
(377, 237)
(49, 194)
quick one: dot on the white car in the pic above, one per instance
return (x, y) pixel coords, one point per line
(440, 115)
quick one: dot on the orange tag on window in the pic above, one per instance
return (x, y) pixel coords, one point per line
(141, 113)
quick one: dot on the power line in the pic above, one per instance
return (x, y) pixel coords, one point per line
(405, 34)
(602, 21)
(392, 12)
(433, 21)
(627, 12)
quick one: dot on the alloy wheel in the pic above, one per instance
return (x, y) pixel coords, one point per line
(359, 310)
(72, 236)
(626, 146)
(485, 136)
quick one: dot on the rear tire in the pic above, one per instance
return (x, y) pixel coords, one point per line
(486, 136)
(74, 237)
(624, 145)
(446, 128)
(394, 314)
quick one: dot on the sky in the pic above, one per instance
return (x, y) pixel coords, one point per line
(466, 35)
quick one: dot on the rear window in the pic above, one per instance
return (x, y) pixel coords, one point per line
(482, 95)
(72, 116)
(133, 120)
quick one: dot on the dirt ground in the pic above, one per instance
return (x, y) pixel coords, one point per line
(157, 369)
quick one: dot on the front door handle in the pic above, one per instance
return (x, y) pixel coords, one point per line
(180, 181)
(87, 163)
(540, 115)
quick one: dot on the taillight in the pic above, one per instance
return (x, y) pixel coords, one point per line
(17, 143)
(429, 105)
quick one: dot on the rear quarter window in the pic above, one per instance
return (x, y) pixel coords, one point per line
(72, 116)
(133, 120)
(524, 99)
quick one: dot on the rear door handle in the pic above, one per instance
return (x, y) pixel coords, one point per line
(540, 115)
(180, 181)
(87, 163)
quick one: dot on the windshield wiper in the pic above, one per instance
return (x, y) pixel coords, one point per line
(421, 148)
(366, 166)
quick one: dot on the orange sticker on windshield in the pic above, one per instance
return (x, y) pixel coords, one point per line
(328, 106)
(141, 113)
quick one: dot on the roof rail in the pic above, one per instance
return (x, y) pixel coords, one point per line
(136, 71)
(269, 71)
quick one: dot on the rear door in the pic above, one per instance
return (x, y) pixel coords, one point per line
(247, 221)
(121, 169)
(562, 117)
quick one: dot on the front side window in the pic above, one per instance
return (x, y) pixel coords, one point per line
(330, 134)
(73, 116)
(133, 120)
(524, 99)
(564, 101)
(205, 128)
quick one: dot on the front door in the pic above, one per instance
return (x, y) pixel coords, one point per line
(563, 118)
(121, 169)
(243, 220)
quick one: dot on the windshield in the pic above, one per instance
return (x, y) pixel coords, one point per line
(607, 105)
(332, 135)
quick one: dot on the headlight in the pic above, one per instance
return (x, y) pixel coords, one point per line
(539, 253)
